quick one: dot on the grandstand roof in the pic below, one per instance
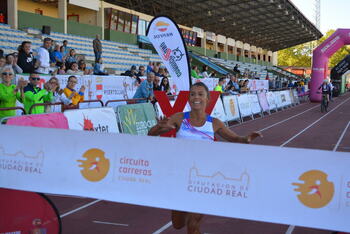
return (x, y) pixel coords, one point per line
(270, 24)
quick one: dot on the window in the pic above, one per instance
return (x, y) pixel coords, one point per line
(142, 28)
(135, 20)
(121, 21)
(121, 18)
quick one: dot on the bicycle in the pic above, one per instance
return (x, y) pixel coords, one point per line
(324, 102)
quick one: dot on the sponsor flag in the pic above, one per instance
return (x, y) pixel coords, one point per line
(167, 39)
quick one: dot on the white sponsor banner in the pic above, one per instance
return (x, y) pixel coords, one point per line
(255, 85)
(231, 107)
(303, 188)
(271, 99)
(244, 105)
(254, 103)
(168, 42)
(94, 119)
(278, 99)
(296, 97)
(209, 82)
(282, 98)
(218, 111)
(287, 97)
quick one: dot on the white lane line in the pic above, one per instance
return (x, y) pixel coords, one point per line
(290, 229)
(115, 224)
(341, 137)
(282, 121)
(80, 208)
(163, 228)
(302, 131)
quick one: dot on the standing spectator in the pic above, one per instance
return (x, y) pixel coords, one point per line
(244, 88)
(149, 67)
(33, 94)
(97, 47)
(331, 86)
(235, 69)
(165, 86)
(43, 62)
(219, 86)
(99, 68)
(11, 61)
(65, 48)
(9, 93)
(156, 84)
(2, 18)
(70, 92)
(145, 90)
(58, 96)
(57, 56)
(71, 58)
(74, 69)
(26, 60)
(132, 72)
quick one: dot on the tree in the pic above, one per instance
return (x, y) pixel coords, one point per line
(300, 55)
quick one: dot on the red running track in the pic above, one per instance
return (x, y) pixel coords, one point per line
(302, 126)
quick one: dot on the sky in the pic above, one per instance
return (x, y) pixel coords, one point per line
(334, 13)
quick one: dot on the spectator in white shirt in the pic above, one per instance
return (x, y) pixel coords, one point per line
(205, 73)
(44, 57)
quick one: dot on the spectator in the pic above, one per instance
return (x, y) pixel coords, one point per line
(235, 69)
(2, 62)
(165, 86)
(26, 60)
(57, 56)
(194, 73)
(232, 86)
(82, 67)
(71, 58)
(11, 61)
(244, 88)
(99, 68)
(58, 96)
(205, 72)
(62, 70)
(1, 53)
(97, 45)
(74, 69)
(149, 67)
(145, 90)
(43, 60)
(65, 49)
(34, 95)
(156, 84)
(141, 73)
(161, 72)
(219, 86)
(156, 71)
(69, 91)
(9, 93)
(2, 18)
(132, 72)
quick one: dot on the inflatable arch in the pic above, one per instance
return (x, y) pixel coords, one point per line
(320, 58)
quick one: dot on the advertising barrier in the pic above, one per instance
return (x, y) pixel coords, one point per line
(271, 99)
(136, 119)
(231, 107)
(254, 103)
(218, 111)
(244, 105)
(94, 119)
(255, 85)
(263, 101)
(304, 187)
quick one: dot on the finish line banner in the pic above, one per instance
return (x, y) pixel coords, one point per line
(167, 40)
(301, 187)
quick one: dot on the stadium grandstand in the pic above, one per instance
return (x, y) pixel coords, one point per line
(92, 67)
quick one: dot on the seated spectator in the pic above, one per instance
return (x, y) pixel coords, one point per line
(82, 67)
(57, 56)
(145, 90)
(156, 84)
(61, 70)
(99, 68)
(232, 86)
(43, 57)
(132, 72)
(166, 72)
(65, 49)
(205, 71)
(219, 86)
(74, 70)
(34, 95)
(69, 91)
(2, 62)
(141, 73)
(165, 86)
(194, 73)
(161, 72)
(71, 58)
(58, 96)
(235, 69)
(156, 71)
(9, 93)
(26, 60)
(11, 61)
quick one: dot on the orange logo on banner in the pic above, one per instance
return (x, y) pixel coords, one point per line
(316, 191)
(96, 166)
(162, 26)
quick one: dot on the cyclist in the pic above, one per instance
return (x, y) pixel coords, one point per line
(326, 91)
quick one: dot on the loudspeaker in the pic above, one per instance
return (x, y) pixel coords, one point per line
(46, 30)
